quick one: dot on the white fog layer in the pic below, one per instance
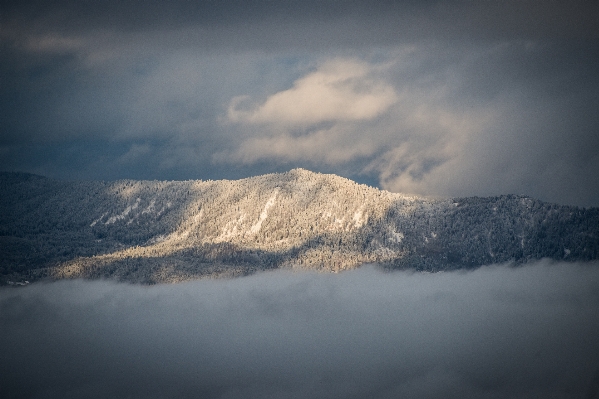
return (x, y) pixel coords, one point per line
(494, 332)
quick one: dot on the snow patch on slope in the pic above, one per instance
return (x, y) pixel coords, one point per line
(124, 214)
(98, 220)
(231, 229)
(360, 218)
(264, 214)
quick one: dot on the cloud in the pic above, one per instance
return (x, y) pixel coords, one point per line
(481, 123)
(314, 24)
(318, 119)
(460, 98)
(339, 90)
(494, 332)
(327, 146)
(409, 126)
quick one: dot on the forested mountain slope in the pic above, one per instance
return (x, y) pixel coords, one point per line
(166, 231)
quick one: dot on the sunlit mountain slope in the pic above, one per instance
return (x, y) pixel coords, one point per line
(157, 231)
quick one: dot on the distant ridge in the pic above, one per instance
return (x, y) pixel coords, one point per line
(169, 231)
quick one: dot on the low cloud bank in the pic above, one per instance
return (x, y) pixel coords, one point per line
(491, 333)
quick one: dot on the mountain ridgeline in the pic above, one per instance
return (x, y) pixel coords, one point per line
(170, 231)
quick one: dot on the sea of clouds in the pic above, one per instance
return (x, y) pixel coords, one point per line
(495, 332)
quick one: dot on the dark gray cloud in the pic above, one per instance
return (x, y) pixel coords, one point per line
(354, 19)
(474, 98)
(490, 333)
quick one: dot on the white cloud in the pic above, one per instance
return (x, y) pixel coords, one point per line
(339, 90)
(348, 109)
(328, 146)
(327, 116)
(433, 147)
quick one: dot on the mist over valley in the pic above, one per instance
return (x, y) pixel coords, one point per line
(495, 332)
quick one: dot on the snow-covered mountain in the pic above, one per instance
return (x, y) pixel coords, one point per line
(166, 231)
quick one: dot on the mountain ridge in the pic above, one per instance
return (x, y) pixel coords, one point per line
(170, 231)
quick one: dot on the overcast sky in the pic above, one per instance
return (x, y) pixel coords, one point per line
(454, 98)
(496, 332)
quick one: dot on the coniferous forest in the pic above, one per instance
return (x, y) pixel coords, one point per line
(170, 231)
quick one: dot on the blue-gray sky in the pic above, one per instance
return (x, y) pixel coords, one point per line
(453, 98)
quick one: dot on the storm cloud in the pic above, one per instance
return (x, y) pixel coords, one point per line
(494, 332)
(451, 98)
